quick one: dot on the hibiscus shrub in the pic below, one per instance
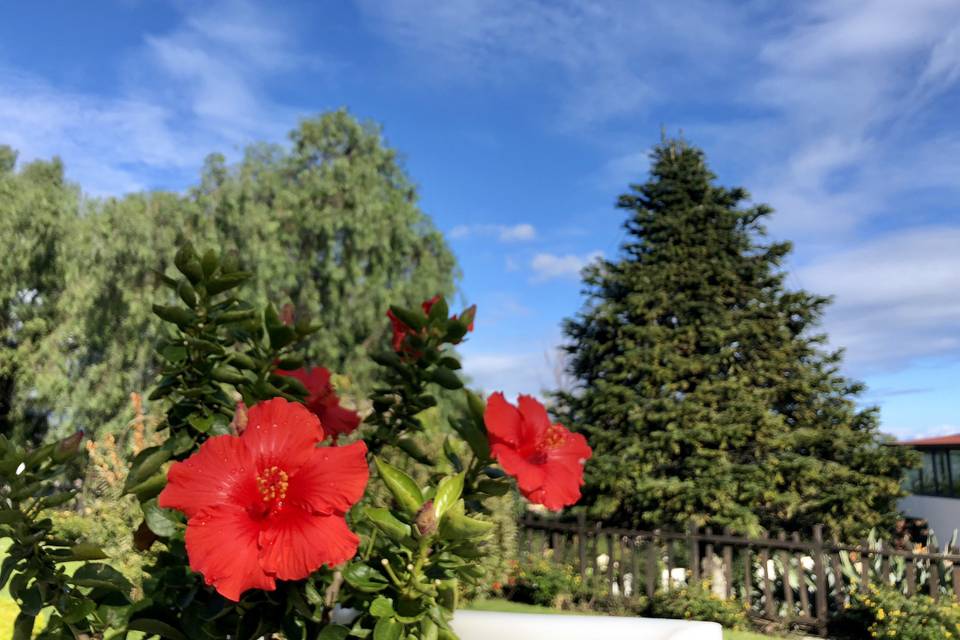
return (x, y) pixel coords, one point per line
(256, 505)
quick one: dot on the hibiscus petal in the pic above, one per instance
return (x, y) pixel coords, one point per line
(222, 545)
(529, 476)
(561, 487)
(535, 421)
(502, 419)
(339, 420)
(281, 433)
(221, 471)
(332, 480)
(295, 543)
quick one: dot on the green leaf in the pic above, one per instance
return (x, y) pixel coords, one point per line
(78, 610)
(412, 449)
(387, 523)
(448, 492)
(493, 487)
(156, 627)
(227, 281)
(387, 629)
(86, 551)
(381, 607)
(333, 632)
(281, 336)
(149, 488)
(227, 374)
(364, 578)
(99, 575)
(163, 522)
(477, 406)
(145, 464)
(6, 569)
(446, 378)
(404, 489)
(9, 516)
(57, 499)
(187, 293)
(209, 262)
(457, 526)
(178, 315)
(439, 311)
(473, 436)
(451, 455)
(412, 319)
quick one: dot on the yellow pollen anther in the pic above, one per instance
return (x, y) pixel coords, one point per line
(272, 484)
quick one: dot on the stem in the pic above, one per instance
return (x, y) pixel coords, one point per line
(23, 626)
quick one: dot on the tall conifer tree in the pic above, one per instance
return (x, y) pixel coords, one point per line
(702, 383)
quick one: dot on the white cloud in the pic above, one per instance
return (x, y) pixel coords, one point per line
(503, 233)
(604, 60)
(549, 266)
(897, 297)
(187, 92)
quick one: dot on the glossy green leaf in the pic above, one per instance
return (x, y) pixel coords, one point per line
(387, 629)
(404, 489)
(448, 492)
(387, 523)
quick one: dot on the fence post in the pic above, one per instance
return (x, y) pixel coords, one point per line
(582, 546)
(694, 552)
(821, 576)
(652, 564)
(864, 566)
(934, 573)
(728, 566)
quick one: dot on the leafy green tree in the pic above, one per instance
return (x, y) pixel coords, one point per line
(334, 227)
(37, 208)
(702, 383)
(332, 223)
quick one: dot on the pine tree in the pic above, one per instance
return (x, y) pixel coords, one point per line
(701, 382)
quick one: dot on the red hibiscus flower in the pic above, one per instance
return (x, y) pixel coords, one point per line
(268, 505)
(545, 458)
(323, 401)
(401, 330)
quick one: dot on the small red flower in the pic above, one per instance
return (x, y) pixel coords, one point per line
(268, 505)
(323, 401)
(401, 330)
(545, 458)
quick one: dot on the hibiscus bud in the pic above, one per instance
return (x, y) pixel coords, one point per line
(68, 447)
(239, 422)
(426, 520)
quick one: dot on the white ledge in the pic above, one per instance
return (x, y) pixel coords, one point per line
(490, 625)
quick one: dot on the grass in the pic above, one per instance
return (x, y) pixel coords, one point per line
(516, 607)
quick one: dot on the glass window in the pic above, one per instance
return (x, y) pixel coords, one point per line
(954, 455)
(928, 477)
(944, 481)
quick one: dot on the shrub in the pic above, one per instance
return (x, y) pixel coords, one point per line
(697, 602)
(543, 583)
(886, 613)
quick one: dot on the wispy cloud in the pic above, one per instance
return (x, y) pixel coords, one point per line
(549, 266)
(606, 60)
(503, 233)
(184, 93)
(896, 297)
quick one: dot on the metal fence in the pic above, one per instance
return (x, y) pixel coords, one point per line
(784, 580)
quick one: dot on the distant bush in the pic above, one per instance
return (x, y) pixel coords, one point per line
(543, 583)
(887, 613)
(697, 602)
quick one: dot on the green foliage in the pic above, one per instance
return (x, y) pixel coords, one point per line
(543, 583)
(886, 613)
(36, 209)
(33, 568)
(332, 224)
(697, 602)
(701, 382)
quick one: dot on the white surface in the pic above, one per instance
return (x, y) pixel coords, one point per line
(489, 625)
(942, 514)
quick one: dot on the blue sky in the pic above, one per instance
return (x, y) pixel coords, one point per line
(522, 121)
